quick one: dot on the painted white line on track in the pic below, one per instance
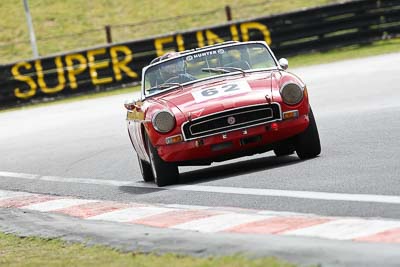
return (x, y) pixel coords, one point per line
(57, 204)
(290, 193)
(219, 223)
(65, 179)
(181, 206)
(11, 194)
(386, 199)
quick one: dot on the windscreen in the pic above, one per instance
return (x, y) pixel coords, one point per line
(202, 64)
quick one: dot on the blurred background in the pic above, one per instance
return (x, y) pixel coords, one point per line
(73, 24)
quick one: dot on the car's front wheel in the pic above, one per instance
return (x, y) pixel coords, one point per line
(164, 173)
(308, 144)
(284, 148)
(145, 169)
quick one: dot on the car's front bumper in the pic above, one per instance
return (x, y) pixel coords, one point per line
(232, 144)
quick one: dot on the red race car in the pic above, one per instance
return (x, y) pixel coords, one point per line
(217, 103)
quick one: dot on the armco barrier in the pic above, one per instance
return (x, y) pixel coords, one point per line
(117, 65)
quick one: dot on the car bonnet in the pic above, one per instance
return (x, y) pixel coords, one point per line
(216, 95)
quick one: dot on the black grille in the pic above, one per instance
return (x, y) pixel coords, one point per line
(229, 120)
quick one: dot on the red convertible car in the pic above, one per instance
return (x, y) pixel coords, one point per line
(217, 103)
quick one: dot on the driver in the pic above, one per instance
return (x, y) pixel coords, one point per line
(174, 71)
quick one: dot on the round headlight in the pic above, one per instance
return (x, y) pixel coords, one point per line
(291, 93)
(163, 121)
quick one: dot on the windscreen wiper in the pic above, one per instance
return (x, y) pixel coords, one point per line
(222, 69)
(215, 70)
(162, 86)
(234, 68)
(167, 85)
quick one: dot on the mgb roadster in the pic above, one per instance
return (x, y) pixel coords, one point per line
(217, 103)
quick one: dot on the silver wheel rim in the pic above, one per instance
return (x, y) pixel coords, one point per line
(153, 168)
(141, 166)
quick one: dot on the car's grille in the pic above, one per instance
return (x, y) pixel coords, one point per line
(229, 120)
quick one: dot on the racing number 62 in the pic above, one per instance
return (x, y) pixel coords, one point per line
(224, 88)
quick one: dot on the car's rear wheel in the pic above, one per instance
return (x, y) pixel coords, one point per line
(164, 173)
(145, 169)
(308, 144)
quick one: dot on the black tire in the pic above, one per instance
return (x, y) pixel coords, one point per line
(146, 171)
(284, 148)
(308, 144)
(164, 173)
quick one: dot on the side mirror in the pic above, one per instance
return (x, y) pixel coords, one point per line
(284, 63)
(131, 104)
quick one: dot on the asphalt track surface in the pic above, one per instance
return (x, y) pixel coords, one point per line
(82, 149)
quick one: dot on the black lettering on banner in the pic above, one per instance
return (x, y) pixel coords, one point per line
(114, 66)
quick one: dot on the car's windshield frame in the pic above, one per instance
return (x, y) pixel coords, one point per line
(196, 51)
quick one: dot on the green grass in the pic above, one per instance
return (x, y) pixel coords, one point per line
(55, 18)
(16, 251)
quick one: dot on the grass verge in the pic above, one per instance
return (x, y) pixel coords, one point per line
(33, 251)
(74, 24)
